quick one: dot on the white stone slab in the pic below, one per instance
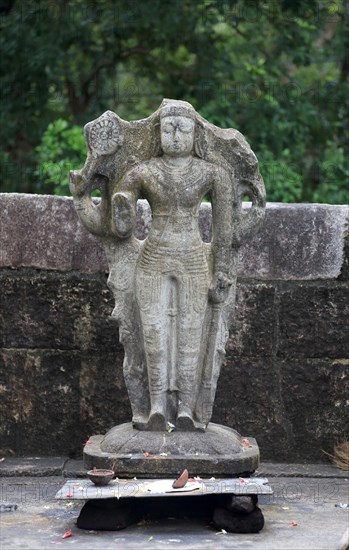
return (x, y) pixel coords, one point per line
(84, 489)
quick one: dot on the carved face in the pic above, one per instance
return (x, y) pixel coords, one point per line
(177, 135)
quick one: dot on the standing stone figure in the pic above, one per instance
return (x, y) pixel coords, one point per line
(173, 293)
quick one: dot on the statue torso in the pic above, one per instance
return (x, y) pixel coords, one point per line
(175, 196)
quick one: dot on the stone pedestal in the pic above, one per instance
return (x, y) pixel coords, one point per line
(217, 451)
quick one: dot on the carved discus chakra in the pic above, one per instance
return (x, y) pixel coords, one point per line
(105, 137)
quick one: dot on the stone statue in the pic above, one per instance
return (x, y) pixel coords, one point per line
(173, 293)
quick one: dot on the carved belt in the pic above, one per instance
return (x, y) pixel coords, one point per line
(164, 260)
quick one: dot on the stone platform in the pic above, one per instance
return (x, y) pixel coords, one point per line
(220, 451)
(309, 495)
(306, 495)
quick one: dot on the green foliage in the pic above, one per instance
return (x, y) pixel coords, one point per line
(333, 185)
(62, 149)
(276, 71)
(283, 182)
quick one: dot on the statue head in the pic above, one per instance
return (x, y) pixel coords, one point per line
(177, 120)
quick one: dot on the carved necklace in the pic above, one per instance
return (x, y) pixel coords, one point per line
(172, 169)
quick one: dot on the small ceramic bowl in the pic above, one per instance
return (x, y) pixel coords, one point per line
(100, 477)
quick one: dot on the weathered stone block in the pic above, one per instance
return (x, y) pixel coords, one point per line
(51, 310)
(297, 241)
(244, 504)
(314, 321)
(253, 321)
(43, 231)
(315, 395)
(52, 400)
(108, 516)
(248, 399)
(234, 522)
(40, 403)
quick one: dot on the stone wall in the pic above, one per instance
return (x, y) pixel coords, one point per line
(285, 378)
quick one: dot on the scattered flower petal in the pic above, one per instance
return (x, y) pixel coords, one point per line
(67, 534)
(69, 495)
(221, 532)
(293, 523)
(150, 538)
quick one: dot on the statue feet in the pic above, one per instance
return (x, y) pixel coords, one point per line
(156, 422)
(157, 418)
(185, 421)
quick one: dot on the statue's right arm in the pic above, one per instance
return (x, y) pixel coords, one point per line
(94, 216)
(113, 216)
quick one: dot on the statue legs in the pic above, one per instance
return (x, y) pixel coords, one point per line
(172, 310)
(189, 343)
(154, 334)
(148, 291)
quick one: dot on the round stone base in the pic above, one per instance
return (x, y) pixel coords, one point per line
(133, 453)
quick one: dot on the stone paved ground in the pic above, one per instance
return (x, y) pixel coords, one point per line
(40, 520)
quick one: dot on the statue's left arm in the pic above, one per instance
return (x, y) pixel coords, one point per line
(222, 198)
(249, 184)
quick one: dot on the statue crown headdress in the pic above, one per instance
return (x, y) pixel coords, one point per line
(175, 107)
